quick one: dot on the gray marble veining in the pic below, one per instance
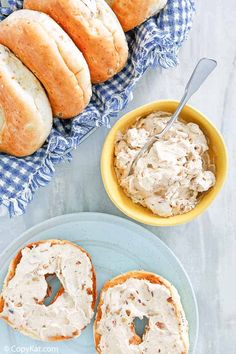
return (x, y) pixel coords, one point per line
(206, 246)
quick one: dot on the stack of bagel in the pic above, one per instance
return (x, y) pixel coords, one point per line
(51, 53)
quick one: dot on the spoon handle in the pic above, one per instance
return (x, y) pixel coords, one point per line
(203, 69)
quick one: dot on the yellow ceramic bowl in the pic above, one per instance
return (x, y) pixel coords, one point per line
(138, 212)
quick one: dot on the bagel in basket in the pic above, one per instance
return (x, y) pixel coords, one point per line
(140, 295)
(42, 45)
(25, 112)
(25, 289)
(95, 30)
(132, 13)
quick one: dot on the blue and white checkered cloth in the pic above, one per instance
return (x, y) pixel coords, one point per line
(156, 42)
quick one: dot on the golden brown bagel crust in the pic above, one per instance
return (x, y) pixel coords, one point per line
(152, 278)
(132, 13)
(51, 55)
(25, 112)
(11, 272)
(95, 30)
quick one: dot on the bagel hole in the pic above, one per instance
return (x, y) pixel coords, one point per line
(140, 326)
(54, 288)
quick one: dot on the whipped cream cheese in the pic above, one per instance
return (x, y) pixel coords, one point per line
(139, 298)
(170, 178)
(24, 294)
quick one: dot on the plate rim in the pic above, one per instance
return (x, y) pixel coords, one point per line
(71, 217)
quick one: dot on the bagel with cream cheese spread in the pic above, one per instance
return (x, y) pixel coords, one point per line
(140, 295)
(25, 289)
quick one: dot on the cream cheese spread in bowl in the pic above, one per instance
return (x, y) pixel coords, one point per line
(171, 177)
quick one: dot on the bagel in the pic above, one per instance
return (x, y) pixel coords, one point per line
(25, 289)
(42, 45)
(25, 112)
(140, 294)
(132, 13)
(95, 30)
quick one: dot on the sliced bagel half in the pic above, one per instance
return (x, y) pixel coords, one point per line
(22, 301)
(140, 294)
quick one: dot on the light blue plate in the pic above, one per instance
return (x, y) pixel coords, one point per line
(116, 246)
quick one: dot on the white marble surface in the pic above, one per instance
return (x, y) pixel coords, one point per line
(206, 246)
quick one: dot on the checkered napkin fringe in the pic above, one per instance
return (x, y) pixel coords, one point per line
(156, 42)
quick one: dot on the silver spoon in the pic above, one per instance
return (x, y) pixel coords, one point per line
(203, 69)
